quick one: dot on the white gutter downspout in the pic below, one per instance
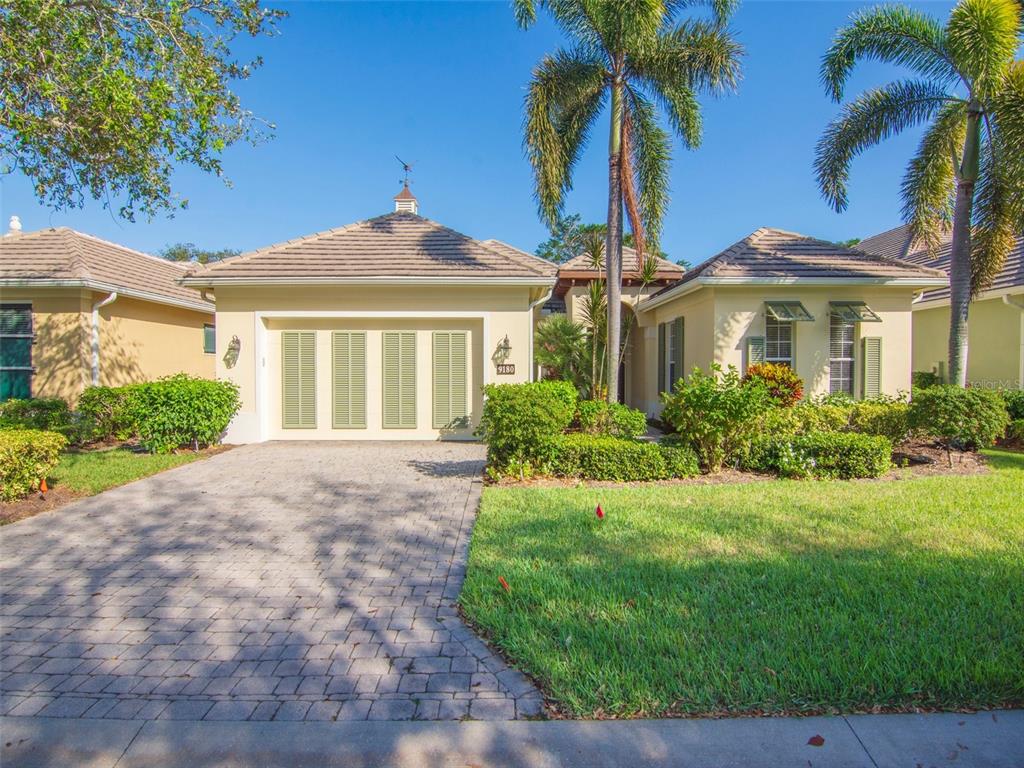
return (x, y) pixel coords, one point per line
(534, 305)
(96, 335)
(1008, 300)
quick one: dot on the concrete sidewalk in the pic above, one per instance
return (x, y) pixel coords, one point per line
(987, 739)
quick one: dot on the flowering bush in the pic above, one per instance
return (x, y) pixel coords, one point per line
(781, 381)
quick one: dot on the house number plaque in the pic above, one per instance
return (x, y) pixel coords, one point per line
(506, 369)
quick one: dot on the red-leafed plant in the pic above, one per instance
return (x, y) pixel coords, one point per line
(781, 381)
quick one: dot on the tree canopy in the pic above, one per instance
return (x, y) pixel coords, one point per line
(103, 99)
(189, 252)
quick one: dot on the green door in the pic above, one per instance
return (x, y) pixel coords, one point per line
(298, 379)
(15, 351)
(399, 376)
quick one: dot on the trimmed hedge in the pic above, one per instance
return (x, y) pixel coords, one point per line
(599, 417)
(26, 457)
(965, 419)
(50, 414)
(182, 410)
(826, 455)
(112, 411)
(600, 457)
(887, 419)
(520, 421)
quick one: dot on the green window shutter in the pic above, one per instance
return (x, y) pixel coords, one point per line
(661, 357)
(209, 339)
(679, 348)
(298, 379)
(755, 350)
(399, 380)
(450, 389)
(349, 379)
(872, 366)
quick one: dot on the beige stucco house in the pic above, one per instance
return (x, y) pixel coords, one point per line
(839, 316)
(76, 310)
(385, 329)
(995, 326)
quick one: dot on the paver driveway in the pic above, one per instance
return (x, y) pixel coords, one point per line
(276, 581)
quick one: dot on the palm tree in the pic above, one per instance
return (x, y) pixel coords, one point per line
(634, 56)
(969, 167)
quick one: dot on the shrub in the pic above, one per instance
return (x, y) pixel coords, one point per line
(26, 457)
(560, 347)
(183, 410)
(888, 419)
(1014, 400)
(924, 379)
(715, 413)
(519, 421)
(827, 455)
(965, 419)
(1015, 431)
(598, 417)
(802, 418)
(49, 414)
(781, 381)
(680, 460)
(598, 457)
(112, 411)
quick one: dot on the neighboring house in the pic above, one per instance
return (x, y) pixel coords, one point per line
(574, 277)
(995, 326)
(76, 310)
(840, 317)
(382, 329)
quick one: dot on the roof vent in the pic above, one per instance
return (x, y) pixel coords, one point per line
(14, 227)
(405, 201)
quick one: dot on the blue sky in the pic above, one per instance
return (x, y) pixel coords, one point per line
(349, 85)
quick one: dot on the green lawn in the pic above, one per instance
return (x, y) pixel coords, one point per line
(94, 471)
(769, 596)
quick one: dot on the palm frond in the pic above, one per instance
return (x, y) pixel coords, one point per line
(871, 118)
(982, 37)
(525, 12)
(629, 183)
(651, 159)
(593, 248)
(997, 220)
(562, 102)
(721, 10)
(930, 181)
(891, 34)
(695, 55)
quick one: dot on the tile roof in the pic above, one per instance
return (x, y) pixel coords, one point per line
(896, 243)
(62, 254)
(396, 245)
(630, 264)
(768, 255)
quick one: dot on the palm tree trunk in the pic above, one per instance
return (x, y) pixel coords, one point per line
(613, 246)
(960, 249)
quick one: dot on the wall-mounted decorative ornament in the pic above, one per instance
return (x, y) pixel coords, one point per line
(231, 356)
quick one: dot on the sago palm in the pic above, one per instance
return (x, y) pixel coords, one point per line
(635, 57)
(968, 172)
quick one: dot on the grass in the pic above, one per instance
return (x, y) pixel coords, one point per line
(775, 596)
(91, 472)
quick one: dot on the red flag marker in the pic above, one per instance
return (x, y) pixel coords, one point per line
(504, 584)
(599, 512)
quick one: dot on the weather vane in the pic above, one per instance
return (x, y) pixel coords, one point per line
(406, 168)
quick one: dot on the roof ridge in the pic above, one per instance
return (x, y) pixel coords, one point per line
(159, 259)
(78, 264)
(529, 260)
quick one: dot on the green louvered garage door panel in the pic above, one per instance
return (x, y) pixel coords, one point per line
(451, 410)
(399, 380)
(348, 350)
(872, 366)
(298, 379)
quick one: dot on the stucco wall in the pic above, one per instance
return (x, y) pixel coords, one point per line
(719, 321)
(142, 341)
(61, 354)
(995, 343)
(256, 315)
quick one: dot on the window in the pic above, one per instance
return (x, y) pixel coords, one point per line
(778, 341)
(298, 379)
(209, 339)
(670, 354)
(15, 351)
(792, 311)
(399, 410)
(841, 333)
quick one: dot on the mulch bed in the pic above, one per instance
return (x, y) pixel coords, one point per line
(926, 457)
